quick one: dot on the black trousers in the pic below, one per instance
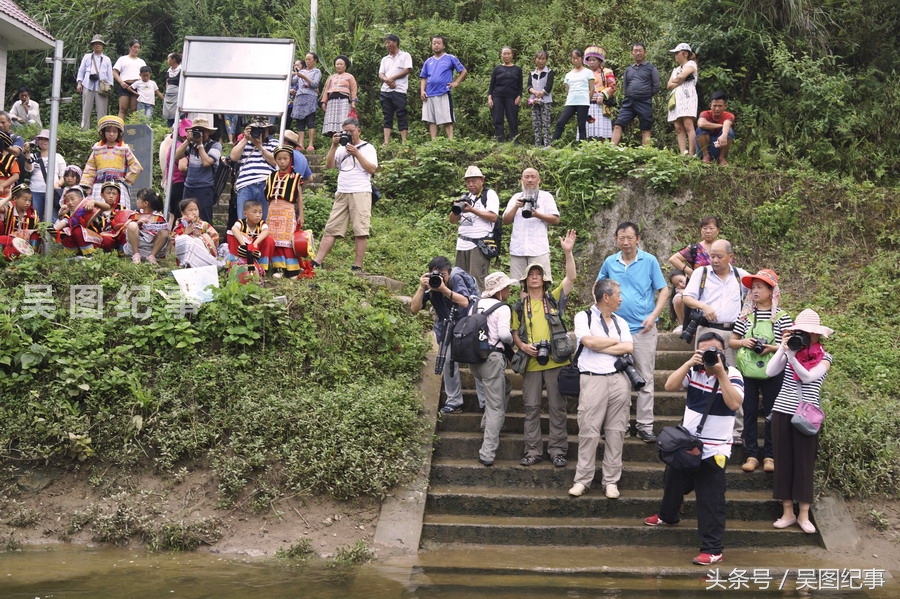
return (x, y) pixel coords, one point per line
(769, 389)
(505, 107)
(566, 115)
(394, 103)
(708, 484)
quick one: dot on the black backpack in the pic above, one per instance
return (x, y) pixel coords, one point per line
(469, 342)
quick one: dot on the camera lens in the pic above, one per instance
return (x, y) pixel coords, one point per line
(798, 340)
(710, 357)
(435, 279)
(543, 352)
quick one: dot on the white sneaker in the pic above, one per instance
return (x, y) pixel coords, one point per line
(612, 491)
(577, 490)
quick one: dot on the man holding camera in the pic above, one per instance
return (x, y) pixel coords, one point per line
(640, 276)
(257, 161)
(447, 290)
(356, 161)
(605, 388)
(714, 385)
(537, 319)
(203, 154)
(475, 213)
(531, 213)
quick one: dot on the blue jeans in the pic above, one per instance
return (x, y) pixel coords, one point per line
(37, 202)
(146, 110)
(254, 191)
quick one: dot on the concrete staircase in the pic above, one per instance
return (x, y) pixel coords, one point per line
(509, 504)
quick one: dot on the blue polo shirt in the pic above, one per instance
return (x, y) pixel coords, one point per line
(438, 74)
(639, 282)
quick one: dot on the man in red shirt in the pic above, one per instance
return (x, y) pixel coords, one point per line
(715, 130)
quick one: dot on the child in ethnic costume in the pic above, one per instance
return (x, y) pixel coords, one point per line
(111, 159)
(285, 212)
(18, 217)
(195, 240)
(147, 236)
(9, 167)
(249, 238)
(81, 222)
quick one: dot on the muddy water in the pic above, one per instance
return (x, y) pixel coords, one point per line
(63, 572)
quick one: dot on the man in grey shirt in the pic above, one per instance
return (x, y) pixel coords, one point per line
(640, 83)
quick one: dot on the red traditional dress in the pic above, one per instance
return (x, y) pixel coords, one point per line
(283, 193)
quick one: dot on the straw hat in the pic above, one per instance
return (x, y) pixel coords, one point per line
(809, 321)
(201, 123)
(473, 171)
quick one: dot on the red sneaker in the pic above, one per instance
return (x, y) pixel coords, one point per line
(655, 520)
(707, 559)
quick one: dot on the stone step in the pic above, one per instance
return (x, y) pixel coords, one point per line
(556, 503)
(508, 474)
(511, 447)
(515, 421)
(514, 530)
(664, 402)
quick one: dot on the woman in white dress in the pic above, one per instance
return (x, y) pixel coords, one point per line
(682, 88)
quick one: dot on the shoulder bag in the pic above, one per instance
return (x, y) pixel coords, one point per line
(809, 417)
(678, 447)
(104, 88)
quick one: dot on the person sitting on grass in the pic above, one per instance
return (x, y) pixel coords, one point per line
(81, 222)
(249, 240)
(194, 239)
(715, 130)
(147, 236)
(18, 217)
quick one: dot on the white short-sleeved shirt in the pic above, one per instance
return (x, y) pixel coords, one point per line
(580, 86)
(595, 361)
(390, 66)
(529, 235)
(129, 68)
(473, 226)
(725, 296)
(353, 178)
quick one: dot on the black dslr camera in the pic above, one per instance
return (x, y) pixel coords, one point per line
(345, 138)
(625, 363)
(798, 340)
(543, 352)
(759, 345)
(435, 279)
(196, 134)
(256, 132)
(710, 357)
(528, 200)
(695, 319)
(459, 204)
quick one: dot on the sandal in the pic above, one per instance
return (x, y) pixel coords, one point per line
(559, 461)
(530, 460)
(135, 258)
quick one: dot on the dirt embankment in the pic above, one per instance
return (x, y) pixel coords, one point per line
(49, 506)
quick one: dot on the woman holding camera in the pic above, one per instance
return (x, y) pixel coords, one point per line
(338, 96)
(39, 164)
(805, 364)
(755, 337)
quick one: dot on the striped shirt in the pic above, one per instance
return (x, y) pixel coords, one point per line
(254, 167)
(783, 323)
(788, 398)
(717, 430)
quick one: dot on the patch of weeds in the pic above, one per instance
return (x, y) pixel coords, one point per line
(23, 518)
(181, 536)
(10, 543)
(302, 550)
(79, 520)
(263, 496)
(180, 476)
(353, 555)
(878, 520)
(120, 526)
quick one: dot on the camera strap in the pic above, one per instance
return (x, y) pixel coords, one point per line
(606, 327)
(715, 389)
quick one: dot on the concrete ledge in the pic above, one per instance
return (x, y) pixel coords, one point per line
(835, 524)
(399, 527)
